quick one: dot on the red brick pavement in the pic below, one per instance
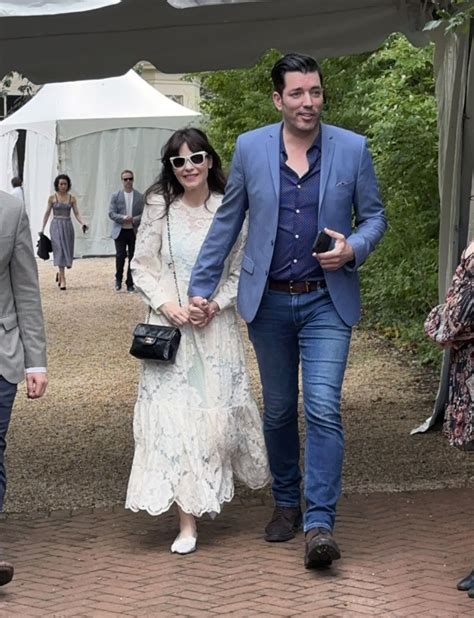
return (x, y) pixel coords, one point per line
(402, 554)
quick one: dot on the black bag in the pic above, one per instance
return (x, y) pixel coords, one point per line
(44, 247)
(154, 342)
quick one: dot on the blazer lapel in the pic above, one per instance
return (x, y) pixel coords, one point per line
(273, 153)
(327, 155)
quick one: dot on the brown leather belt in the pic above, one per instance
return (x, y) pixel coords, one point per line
(296, 287)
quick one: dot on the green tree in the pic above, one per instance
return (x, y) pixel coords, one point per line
(237, 101)
(388, 95)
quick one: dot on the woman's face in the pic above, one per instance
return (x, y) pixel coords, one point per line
(192, 176)
(62, 186)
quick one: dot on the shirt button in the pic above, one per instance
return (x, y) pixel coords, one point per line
(295, 261)
(297, 211)
(297, 235)
(299, 186)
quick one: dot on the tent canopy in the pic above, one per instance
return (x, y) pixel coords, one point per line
(95, 105)
(109, 40)
(91, 130)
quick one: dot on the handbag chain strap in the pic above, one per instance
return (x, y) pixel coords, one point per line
(172, 263)
(172, 257)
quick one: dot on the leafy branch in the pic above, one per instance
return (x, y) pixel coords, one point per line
(453, 14)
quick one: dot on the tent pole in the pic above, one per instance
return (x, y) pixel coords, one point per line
(457, 205)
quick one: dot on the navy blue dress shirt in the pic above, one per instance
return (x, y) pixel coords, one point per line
(297, 219)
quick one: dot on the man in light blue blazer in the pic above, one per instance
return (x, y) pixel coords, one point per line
(292, 180)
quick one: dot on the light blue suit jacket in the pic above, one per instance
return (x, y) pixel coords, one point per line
(349, 202)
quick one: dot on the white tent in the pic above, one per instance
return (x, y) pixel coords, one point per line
(91, 130)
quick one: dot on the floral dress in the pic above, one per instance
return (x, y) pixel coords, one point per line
(452, 325)
(196, 424)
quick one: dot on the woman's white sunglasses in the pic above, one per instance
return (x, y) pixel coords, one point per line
(196, 158)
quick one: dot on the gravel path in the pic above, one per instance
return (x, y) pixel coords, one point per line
(73, 448)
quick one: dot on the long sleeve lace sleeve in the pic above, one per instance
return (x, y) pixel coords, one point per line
(146, 265)
(453, 321)
(226, 293)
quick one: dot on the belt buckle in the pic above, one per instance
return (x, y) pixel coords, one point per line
(290, 286)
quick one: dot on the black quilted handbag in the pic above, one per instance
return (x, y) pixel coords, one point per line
(154, 342)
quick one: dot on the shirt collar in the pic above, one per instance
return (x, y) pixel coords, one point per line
(315, 144)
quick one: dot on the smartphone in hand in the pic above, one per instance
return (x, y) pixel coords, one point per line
(322, 242)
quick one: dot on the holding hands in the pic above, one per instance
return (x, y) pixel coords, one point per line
(178, 316)
(201, 311)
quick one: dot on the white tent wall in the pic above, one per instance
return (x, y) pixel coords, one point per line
(38, 175)
(8, 165)
(94, 162)
(92, 130)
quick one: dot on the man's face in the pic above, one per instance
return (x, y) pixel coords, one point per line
(127, 181)
(301, 101)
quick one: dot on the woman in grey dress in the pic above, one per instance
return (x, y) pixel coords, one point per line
(61, 229)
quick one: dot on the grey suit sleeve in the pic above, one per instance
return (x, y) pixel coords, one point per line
(137, 218)
(113, 210)
(25, 287)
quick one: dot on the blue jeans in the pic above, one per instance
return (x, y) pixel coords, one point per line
(7, 397)
(288, 328)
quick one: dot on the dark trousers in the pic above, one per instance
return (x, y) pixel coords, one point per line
(7, 397)
(124, 245)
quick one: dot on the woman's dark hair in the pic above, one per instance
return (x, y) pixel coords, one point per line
(167, 184)
(293, 62)
(62, 177)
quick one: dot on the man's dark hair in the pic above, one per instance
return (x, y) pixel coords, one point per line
(293, 62)
(16, 181)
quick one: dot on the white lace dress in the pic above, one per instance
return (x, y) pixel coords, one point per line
(196, 423)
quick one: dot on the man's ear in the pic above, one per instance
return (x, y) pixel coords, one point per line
(277, 102)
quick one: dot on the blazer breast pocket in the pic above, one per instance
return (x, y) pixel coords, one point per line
(345, 184)
(344, 189)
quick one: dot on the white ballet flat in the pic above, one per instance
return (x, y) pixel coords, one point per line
(184, 544)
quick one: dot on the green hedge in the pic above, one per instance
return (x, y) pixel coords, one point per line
(388, 95)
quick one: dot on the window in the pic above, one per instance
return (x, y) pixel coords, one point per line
(177, 98)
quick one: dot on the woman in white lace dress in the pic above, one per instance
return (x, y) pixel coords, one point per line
(196, 423)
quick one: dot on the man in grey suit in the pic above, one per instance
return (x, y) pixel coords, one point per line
(22, 338)
(126, 207)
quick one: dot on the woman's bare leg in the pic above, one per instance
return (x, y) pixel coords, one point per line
(62, 277)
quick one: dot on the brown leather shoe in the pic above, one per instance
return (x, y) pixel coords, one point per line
(284, 523)
(6, 572)
(321, 548)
